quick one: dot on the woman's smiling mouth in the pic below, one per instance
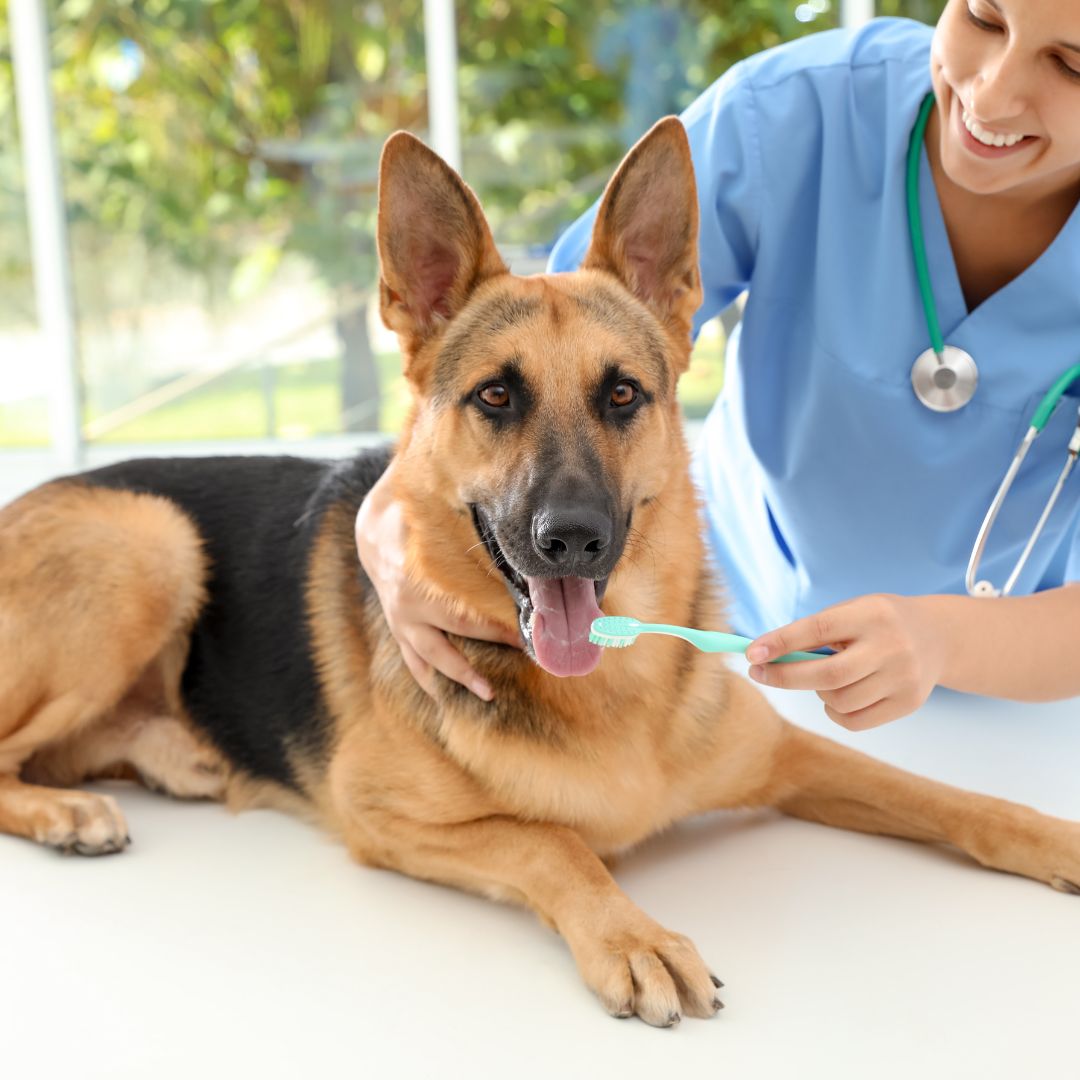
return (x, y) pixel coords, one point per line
(984, 142)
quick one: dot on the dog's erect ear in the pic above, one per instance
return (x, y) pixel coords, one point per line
(647, 226)
(435, 246)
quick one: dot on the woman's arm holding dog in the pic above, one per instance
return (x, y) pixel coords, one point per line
(418, 624)
(893, 650)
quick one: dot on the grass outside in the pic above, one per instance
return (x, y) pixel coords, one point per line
(306, 403)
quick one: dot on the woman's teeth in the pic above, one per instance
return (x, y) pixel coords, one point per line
(988, 138)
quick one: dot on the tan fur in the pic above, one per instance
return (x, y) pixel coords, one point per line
(523, 798)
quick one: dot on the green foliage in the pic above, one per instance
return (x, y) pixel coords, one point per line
(926, 11)
(16, 299)
(552, 94)
(188, 122)
(229, 133)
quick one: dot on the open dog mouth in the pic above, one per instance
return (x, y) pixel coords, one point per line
(554, 614)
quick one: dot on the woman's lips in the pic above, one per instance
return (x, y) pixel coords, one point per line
(980, 149)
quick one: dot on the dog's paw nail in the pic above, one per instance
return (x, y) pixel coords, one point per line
(673, 1019)
(1064, 885)
(716, 982)
(717, 1004)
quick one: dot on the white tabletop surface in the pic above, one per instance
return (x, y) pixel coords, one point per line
(250, 946)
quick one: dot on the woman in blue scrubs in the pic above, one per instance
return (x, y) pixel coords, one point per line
(841, 507)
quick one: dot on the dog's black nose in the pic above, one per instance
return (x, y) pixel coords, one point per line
(571, 536)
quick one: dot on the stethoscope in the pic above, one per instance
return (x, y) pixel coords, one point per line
(944, 378)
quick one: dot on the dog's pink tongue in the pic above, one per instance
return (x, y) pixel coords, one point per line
(565, 609)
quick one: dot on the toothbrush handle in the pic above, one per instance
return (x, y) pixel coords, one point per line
(792, 657)
(714, 641)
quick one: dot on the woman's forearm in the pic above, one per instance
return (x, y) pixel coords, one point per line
(1026, 648)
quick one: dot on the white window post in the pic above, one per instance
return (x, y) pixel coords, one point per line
(856, 12)
(48, 226)
(440, 45)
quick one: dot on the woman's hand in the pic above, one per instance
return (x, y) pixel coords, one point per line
(418, 623)
(890, 655)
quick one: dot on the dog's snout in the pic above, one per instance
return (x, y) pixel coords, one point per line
(568, 537)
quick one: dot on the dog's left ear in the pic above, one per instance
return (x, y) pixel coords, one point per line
(434, 243)
(646, 229)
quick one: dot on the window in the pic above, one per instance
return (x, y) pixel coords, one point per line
(219, 165)
(24, 418)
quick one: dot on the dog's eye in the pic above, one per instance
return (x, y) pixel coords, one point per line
(495, 395)
(624, 394)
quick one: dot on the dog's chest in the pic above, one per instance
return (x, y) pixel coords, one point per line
(613, 793)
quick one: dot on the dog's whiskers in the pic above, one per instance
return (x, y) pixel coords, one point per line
(637, 543)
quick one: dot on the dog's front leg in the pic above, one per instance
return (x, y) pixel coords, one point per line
(632, 963)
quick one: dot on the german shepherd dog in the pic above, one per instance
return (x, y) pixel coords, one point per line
(203, 626)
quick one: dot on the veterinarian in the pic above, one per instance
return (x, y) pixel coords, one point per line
(844, 480)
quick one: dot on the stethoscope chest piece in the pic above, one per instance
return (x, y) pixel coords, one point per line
(944, 382)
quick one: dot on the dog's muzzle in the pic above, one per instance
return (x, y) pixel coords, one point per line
(555, 595)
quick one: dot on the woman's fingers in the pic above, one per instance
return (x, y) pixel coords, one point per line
(482, 629)
(858, 695)
(422, 671)
(829, 627)
(829, 673)
(881, 712)
(434, 651)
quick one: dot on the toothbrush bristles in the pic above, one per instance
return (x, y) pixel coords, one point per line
(610, 642)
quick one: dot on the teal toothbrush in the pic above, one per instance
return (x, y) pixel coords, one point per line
(618, 631)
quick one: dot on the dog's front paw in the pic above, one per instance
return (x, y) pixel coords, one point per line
(1065, 868)
(636, 966)
(1051, 854)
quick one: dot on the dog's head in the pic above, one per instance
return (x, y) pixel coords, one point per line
(545, 415)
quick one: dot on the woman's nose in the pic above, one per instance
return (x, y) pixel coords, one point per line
(999, 91)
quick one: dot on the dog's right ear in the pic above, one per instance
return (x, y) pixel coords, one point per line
(434, 243)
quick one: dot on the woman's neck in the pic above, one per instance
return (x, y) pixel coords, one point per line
(995, 238)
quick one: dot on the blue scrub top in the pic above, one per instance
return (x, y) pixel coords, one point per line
(823, 476)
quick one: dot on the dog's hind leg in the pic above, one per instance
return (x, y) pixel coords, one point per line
(96, 588)
(816, 779)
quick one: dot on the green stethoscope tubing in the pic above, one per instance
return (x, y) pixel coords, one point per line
(914, 214)
(1039, 418)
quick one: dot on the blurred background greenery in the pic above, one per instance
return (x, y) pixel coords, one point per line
(219, 165)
